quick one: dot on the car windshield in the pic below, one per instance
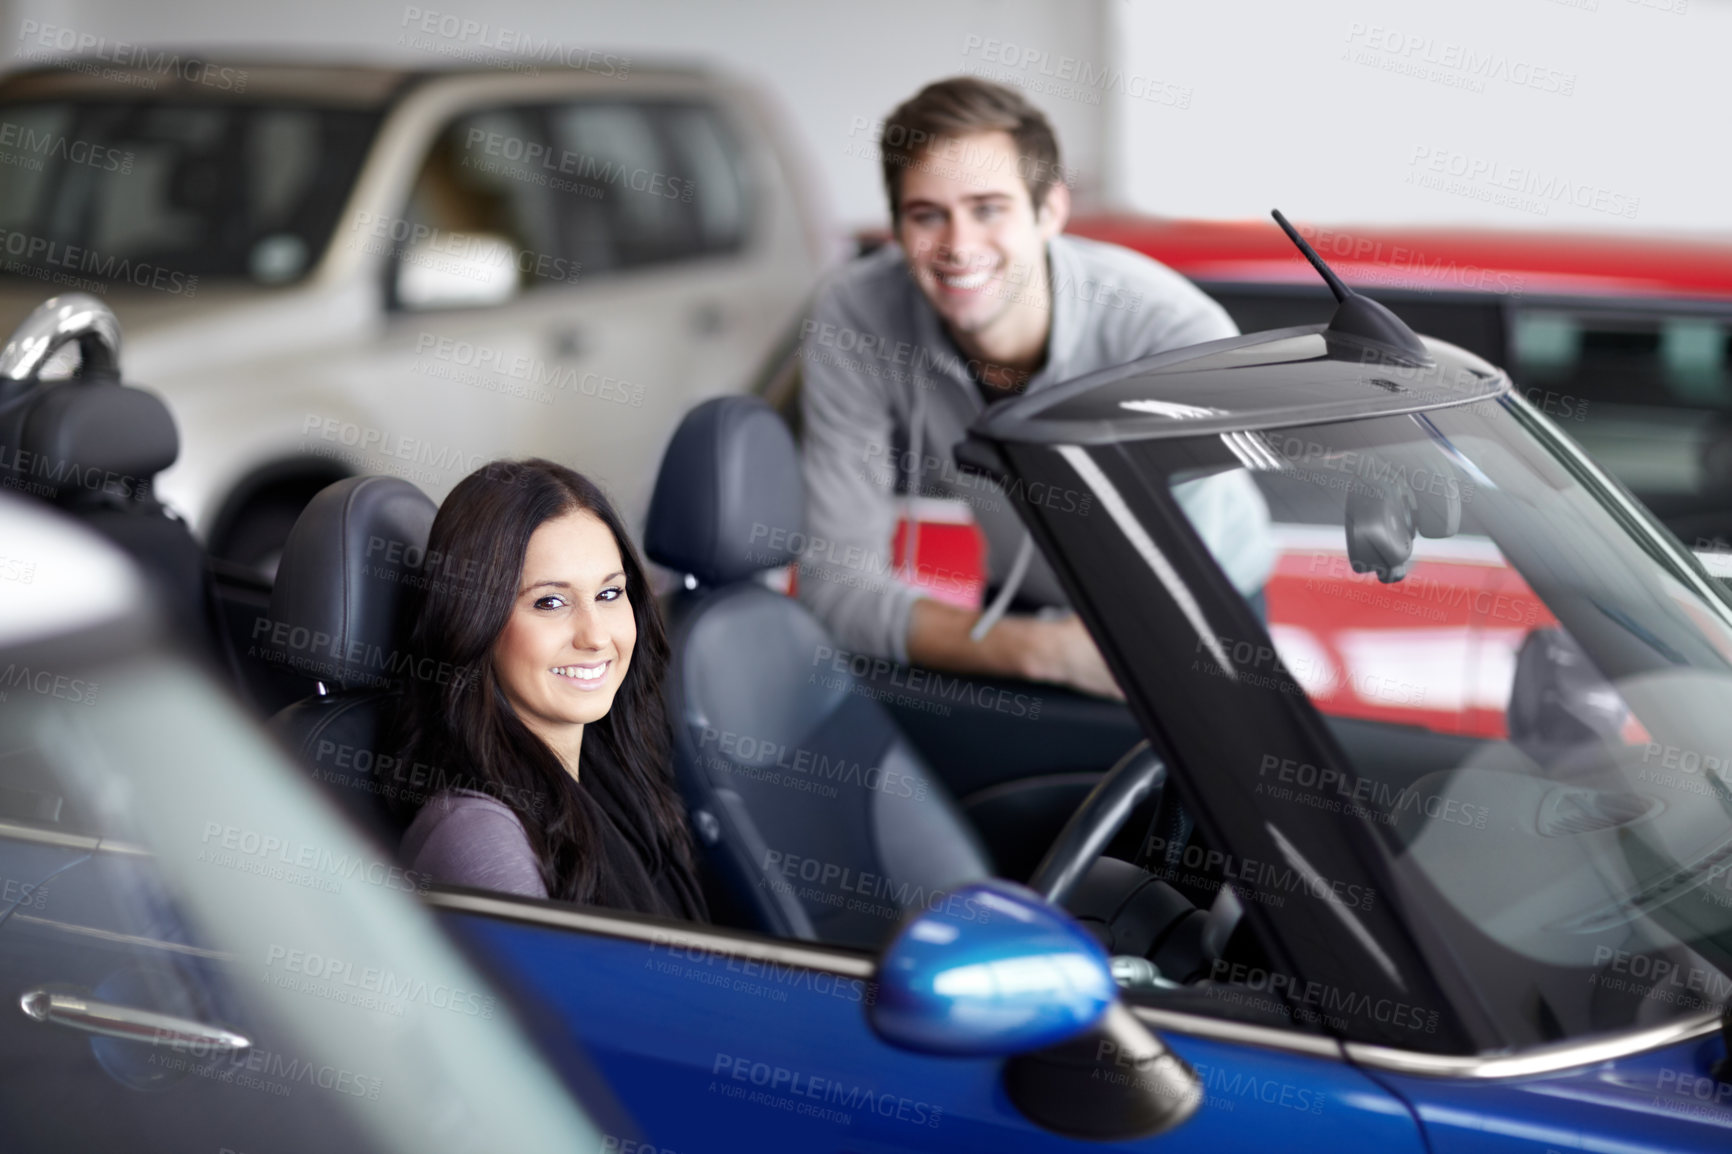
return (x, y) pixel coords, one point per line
(1533, 691)
(152, 193)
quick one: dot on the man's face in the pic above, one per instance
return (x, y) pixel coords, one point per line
(975, 244)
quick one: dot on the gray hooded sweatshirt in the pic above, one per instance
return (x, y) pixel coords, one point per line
(886, 395)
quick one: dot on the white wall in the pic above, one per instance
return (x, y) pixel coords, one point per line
(1287, 112)
(1219, 109)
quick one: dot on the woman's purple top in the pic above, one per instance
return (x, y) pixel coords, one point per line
(469, 839)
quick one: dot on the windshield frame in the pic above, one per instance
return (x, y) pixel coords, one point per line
(1215, 734)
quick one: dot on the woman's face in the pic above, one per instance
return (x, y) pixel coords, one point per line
(566, 646)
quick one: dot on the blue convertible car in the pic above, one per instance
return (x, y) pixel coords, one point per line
(1273, 924)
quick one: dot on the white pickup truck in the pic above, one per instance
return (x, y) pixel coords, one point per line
(329, 271)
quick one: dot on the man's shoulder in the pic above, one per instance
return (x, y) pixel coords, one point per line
(1126, 305)
(1105, 262)
(872, 286)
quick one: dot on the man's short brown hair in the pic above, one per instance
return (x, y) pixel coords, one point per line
(962, 106)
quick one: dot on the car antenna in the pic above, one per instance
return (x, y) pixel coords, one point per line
(1358, 316)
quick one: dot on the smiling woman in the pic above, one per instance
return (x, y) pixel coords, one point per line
(563, 723)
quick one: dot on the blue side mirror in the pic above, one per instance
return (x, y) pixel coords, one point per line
(996, 972)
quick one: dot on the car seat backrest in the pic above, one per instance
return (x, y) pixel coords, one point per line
(819, 816)
(339, 614)
(93, 448)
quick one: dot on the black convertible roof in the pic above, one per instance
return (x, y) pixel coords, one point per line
(1297, 376)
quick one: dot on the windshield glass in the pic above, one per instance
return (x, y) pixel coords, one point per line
(1533, 693)
(153, 193)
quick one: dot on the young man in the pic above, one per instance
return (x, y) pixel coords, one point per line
(980, 299)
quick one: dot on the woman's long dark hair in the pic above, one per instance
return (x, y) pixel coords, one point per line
(473, 568)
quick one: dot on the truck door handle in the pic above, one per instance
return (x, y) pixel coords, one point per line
(568, 343)
(134, 1025)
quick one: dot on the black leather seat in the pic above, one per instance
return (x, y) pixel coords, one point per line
(339, 615)
(93, 449)
(807, 800)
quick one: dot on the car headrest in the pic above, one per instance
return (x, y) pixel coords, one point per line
(728, 502)
(93, 438)
(347, 582)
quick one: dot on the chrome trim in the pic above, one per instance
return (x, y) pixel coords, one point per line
(1540, 1060)
(852, 964)
(18, 831)
(77, 1012)
(728, 943)
(120, 939)
(1238, 1033)
(57, 321)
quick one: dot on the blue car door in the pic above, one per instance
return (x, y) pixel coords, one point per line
(716, 1040)
(1660, 1099)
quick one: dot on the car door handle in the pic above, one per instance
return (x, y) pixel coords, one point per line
(568, 343)
(134, 1025)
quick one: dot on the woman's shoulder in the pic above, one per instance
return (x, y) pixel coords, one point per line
(466, 838)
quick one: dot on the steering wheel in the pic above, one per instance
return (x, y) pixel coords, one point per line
(59, 321)
(1121, 897)
(1137, 776)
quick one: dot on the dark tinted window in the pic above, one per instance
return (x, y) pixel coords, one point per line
(645, 183)
(152, 193)
(1649, 394)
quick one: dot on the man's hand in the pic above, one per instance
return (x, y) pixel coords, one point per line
(1062, 651)
(1058, 651)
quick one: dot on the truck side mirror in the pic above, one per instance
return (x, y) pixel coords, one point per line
(451, 270)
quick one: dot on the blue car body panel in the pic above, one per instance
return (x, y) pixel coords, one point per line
(713, 1053)
(1661, 1100)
